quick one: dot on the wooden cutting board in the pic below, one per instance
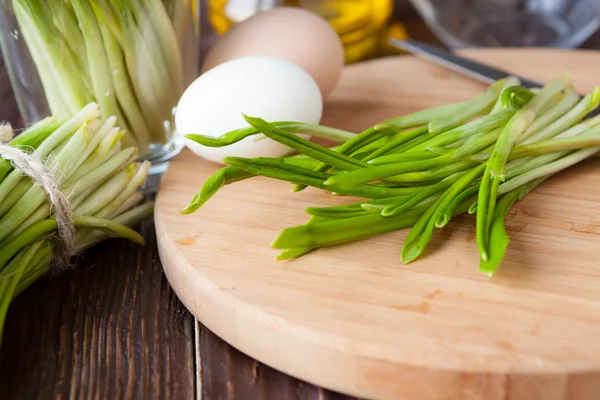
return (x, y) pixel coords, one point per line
(352, 318)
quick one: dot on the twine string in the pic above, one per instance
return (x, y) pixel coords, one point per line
(33, 167)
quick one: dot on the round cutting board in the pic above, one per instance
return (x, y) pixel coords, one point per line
(352, 318)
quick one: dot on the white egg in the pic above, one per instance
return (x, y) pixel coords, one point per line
(264, 87)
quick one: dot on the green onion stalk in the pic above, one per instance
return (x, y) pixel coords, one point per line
(94, 170)
(123, 55)
(418, 171)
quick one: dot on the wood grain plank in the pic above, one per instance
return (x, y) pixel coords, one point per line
(111, 328)
(232, 375)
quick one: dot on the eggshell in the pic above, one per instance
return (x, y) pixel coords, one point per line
(294, 34)
(265, 87)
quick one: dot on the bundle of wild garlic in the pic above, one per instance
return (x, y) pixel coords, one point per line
(124, 55)
(420, 170)
(75, 169)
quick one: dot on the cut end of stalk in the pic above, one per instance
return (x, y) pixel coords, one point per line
(329, 181)
(410, 253)
(90, 111)
(298, 188)
(389, 211)
(312, 210)
(6, 133)
(293, 253)
(473, 209)
(282, 241)
(442, 222)
(284, 255)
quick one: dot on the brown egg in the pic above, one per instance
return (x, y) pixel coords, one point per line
(293, 34)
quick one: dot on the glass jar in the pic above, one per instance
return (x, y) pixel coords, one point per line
(359, 23)
(132, 57)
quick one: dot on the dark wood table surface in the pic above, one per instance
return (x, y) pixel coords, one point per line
(111, 328)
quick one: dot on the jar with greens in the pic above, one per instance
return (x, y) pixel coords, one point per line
(132, 57)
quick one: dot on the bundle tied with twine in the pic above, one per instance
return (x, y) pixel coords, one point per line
(65, 185)
(33, 167)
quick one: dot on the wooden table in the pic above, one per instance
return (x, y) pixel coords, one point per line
(111, 328)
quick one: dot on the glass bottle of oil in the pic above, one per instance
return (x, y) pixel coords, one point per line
(359, 23)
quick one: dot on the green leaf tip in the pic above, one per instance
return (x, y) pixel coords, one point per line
(205, 140)
(189, 209)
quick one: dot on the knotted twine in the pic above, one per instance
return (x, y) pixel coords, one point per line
(33, 167)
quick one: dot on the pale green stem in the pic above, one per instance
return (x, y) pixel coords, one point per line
(66, 22)
(103, 152)
(166, 37)
(105, 193)
(519, 123)
(124, 91)
(33, 16)
(64, 164)
(54, 96)
(548, 169)
(567, 121)
(67, 130)
(134, 183)
(81, 189)
(478, 105)
(567, 102)
(135, 198)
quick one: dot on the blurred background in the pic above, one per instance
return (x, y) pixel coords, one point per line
(364, 26)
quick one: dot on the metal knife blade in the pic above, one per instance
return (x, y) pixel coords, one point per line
(470, 68)
(473, 69)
